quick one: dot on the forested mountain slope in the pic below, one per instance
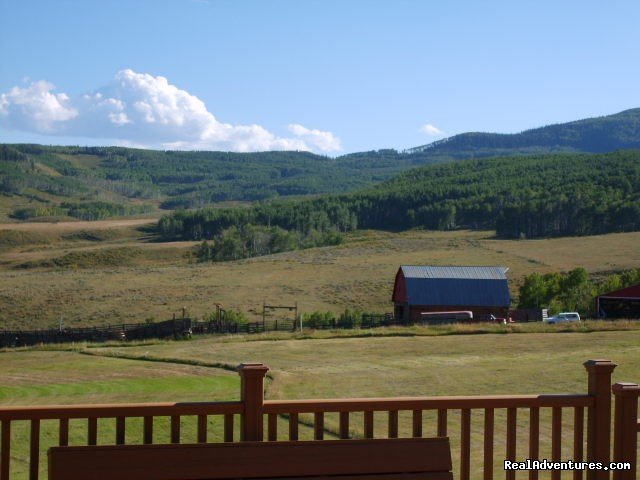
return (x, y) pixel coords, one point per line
(97, 182)
(595, 135)
(537, 196)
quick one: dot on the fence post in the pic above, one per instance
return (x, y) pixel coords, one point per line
(599, 419)
(625, 434)
(252, 395)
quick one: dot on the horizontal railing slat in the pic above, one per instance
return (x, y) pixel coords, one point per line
(425, 403)
(119, 410)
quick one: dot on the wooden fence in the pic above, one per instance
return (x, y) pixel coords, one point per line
(255, 413)
(176, 328)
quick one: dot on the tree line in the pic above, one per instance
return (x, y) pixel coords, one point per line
(248, 241)
(574, 291)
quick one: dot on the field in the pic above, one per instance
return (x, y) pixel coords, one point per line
(323, 367)
(115, 272)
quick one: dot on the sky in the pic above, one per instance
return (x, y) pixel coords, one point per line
(328, 76)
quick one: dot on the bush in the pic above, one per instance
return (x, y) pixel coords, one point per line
(318, 320)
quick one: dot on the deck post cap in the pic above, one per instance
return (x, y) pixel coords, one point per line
(600, 366)
(626, 389)
(253, 369)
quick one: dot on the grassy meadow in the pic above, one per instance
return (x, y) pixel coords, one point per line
(110, 272)
(392, 362)
(96, 273)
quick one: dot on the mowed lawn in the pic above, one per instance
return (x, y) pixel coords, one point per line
(321, 368)
(54, 377)
(419, 366)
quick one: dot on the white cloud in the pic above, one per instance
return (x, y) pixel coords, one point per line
(146, 110)
(323, 141)
(431, 130)
(35, 108)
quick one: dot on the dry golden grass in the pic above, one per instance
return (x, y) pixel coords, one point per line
(320, 368)
(358, 274)
(423, 366)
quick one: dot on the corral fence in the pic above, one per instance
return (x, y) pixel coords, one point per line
(365, 320)
(254, 418)
(176, 328)
(126, 331)
(269, 325)
(180, 328)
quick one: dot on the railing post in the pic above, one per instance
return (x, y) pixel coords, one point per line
(599, 419)
(625, 434)
(252, 395)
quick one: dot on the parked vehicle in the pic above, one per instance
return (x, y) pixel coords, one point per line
(564, 317)
(435, 318)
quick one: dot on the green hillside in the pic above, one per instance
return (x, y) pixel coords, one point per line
(595, 135)
(527, 197)
(93, 183)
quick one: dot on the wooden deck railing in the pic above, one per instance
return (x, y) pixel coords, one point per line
(254, 411)
(627, 428)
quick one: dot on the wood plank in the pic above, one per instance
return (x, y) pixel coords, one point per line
(534, 439)
(175, 429)
(417, 423)
(147, 427)
(512, 417)
(488, 443)
(425, 403)
(272, 427)
(202, 429)
(92, 431)
(357, 458)
(34, 451)
(228, 427)
(392, 431)
(368, 424)
(120, 430)
(293, 427)
(578, 439)
(5, 450)
(556, 440)
(344, 425)
(63, 432)
(318, 426)
(442, 422)
(165, 409)
(465, 444)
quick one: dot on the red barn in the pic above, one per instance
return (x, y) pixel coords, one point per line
(421, 289)
(623, 303)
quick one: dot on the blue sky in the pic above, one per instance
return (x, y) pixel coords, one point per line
(328, 76)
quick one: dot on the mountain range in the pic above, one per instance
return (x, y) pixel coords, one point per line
(96, 182)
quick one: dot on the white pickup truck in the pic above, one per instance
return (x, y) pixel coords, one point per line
(564, 317)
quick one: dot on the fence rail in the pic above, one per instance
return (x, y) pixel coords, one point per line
(359, 417)
(182, 327)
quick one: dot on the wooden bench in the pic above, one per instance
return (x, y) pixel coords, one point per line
(375, 459)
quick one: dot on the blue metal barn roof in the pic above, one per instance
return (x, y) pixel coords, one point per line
(456, 286)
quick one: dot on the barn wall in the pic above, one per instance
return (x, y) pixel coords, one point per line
(400, 288)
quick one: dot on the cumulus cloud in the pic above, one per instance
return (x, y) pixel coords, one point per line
(35, 108)
(146, 110)
(323, 141)
(431, 130)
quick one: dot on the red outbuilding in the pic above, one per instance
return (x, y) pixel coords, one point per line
(623, 303)
(481, 293)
